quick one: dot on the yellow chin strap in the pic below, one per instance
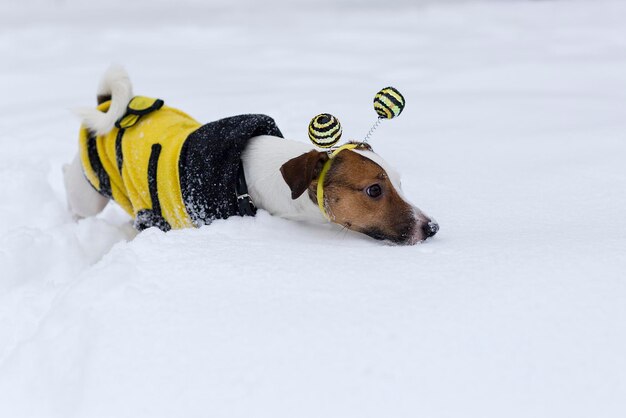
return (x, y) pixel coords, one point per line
(320, 181)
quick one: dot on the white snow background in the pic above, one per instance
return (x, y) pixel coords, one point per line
(513, 138)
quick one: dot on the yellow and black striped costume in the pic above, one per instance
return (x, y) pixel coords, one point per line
(167, 170)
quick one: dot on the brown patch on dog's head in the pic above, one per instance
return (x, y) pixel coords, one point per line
(359, 195)
(299, 172)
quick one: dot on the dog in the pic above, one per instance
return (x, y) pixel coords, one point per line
(169, 171)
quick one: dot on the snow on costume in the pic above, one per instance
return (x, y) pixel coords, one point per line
(167, 170)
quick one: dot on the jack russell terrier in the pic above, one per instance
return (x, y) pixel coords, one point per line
(169, 171)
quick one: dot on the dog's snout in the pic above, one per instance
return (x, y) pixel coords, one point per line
(430, 229)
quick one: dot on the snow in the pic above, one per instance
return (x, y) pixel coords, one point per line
(513, 138)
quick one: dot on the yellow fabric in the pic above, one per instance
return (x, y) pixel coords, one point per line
(138, 106)
(320, 181)
(141, 103)
(129, 188)
(128, 121)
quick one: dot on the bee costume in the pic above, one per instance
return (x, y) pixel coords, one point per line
(167, 170)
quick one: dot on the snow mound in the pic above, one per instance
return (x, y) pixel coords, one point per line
(512, 138)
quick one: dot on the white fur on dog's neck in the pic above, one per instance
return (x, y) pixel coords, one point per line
(262, 159)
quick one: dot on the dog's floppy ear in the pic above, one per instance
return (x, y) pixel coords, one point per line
(299, 172)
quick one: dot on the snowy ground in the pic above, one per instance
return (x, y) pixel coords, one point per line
(513, 139)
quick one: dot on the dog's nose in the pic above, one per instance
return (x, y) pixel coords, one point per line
(430, 229)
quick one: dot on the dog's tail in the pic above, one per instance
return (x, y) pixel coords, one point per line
(115, 86)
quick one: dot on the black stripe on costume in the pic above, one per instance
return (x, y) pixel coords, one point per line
(152, 217)
(118, 149)
(97, 167)
(152, 178)
(158, 103)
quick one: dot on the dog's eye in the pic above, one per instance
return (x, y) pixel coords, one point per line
(374, 190)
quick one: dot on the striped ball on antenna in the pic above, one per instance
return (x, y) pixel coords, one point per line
(388, 103)
(324, 130)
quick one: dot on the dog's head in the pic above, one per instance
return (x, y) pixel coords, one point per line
(361, 193)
